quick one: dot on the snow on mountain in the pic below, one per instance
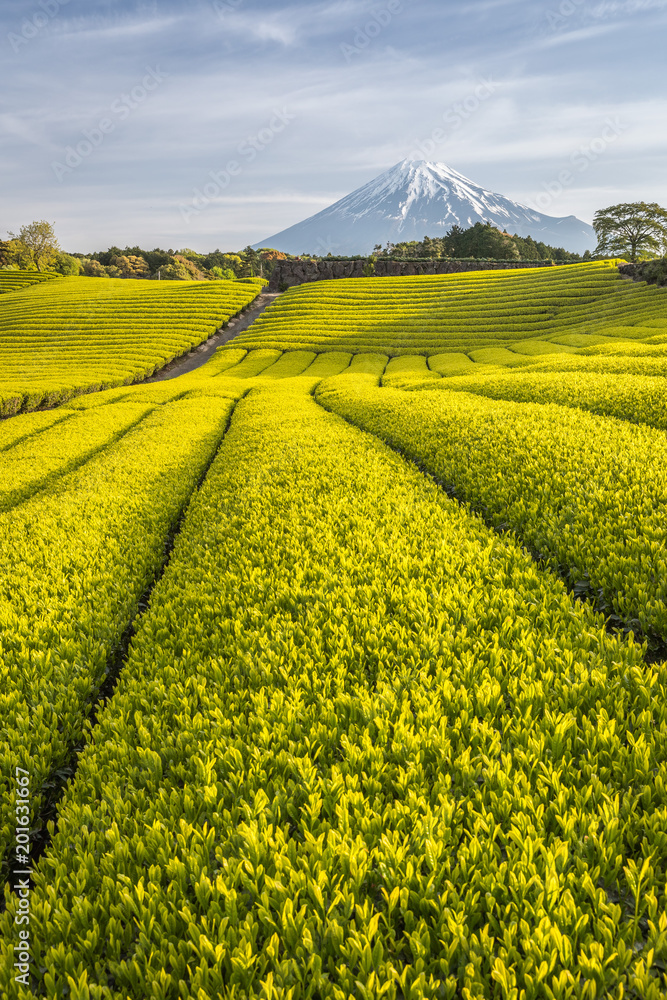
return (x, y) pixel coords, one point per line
(416, 199)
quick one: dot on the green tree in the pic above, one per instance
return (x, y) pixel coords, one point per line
(9, 252)
(93, 269)
(634, 230)
(195, 273)
(176, 271)
(483, 240)
(224, 261)
(37, 246)
(130, 266)
(432, 248)
(252, 263)
(196, 258)
(66, 264)
(527, 247)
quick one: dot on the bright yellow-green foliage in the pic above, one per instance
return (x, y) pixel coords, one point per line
(253, 364)
(640, 399)
(586, 493)
(76, 335)
(74, 562)
(13, 431)
(12, 281)
(535, 348)
(31, 463)
(328, 364)
(290, 364)
(363, 744)
(368, 364)
(220, 362)
(361, 747)
(404, 370)
(618, 363)
(454, 363)
(278, 365)
(458, 312)
(498, 356)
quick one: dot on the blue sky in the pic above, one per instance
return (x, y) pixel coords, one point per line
(215, 123)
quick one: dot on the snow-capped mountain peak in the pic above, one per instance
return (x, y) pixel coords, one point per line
(417, 198)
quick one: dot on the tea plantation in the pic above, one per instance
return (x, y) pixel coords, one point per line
(65, 336)
(336, 668)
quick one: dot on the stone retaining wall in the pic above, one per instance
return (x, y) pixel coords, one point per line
(288, 273)
(652, 271)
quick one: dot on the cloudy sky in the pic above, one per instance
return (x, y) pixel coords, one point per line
(216, 123)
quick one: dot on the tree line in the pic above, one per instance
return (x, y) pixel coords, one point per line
(36, 248)
(482, 241)
(182, 265)
(634, 231)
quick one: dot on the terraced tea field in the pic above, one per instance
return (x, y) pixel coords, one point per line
(13, 280)
(476, 310)
(65, 336)
(337, 667)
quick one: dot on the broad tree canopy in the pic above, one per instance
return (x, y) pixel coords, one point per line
(635, 230)
(35, 246)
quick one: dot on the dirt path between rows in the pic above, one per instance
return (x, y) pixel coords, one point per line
(200, 355)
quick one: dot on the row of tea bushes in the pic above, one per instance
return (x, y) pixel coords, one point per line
(65, 337)
(27, 425)
(361, 747)
(586, 493)
(459, 312)
(403, 371)
(36, 460)
(14, 280)
(640, 399)
(615, 364)
(74, 563)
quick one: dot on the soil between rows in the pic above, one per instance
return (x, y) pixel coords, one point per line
(200, 355)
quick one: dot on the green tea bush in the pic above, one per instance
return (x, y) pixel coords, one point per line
(574, 486)
(361, 747)
(75, 560)
(72, 335)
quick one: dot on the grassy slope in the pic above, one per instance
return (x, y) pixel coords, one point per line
(552, 734)
(73, 335)
(461, 312)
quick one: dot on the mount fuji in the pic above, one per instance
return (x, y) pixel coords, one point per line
(415, 199)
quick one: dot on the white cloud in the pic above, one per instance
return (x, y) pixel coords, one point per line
(118, 32)
(577, 35)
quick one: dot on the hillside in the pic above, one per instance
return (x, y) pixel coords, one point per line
(13, 280)
(72, 335)
(337, 667)
(458, 312)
